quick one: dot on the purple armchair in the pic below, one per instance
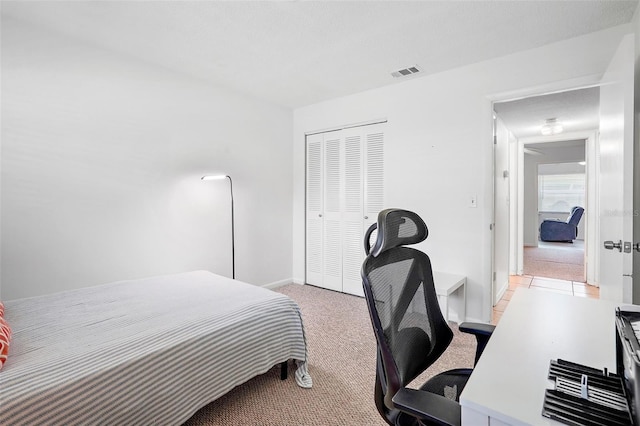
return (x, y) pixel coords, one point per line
(557, 230)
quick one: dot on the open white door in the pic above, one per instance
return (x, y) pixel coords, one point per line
(502, 209)
(616, 175)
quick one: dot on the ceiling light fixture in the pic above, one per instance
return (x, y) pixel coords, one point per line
(551, 127)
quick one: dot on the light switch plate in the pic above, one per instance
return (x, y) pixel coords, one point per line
(473, 201)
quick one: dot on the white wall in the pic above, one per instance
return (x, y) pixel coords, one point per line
(636, 163)
(101, 163)
(438, 146)
(530, 197)
(1, 97)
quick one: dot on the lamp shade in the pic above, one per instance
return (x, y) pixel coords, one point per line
(214, 177)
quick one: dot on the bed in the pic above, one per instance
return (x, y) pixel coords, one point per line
(150, 351)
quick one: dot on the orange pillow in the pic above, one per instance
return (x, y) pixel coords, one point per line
(5, 337)
(4, 350)
(4, 327)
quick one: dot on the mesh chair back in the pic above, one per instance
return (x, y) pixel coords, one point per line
(398, 283)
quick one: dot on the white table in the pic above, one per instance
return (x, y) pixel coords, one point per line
(508, 383)
(451, 286)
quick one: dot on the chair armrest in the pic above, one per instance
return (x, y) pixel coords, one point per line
(427, 405)
(482, 332)
(476, 328)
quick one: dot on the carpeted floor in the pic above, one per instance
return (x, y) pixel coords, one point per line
(558, 261)
(341, 362)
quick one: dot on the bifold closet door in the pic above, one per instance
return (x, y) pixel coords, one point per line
(352, 242)
(332, 235)
(344, 195)
(373, 194)
(363, 197)
(314, 225)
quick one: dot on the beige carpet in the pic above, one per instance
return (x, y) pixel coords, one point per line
(341, 362)
(562, 263)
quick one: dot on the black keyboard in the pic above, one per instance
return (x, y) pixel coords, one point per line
(585, 396)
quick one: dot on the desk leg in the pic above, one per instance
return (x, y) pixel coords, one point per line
(444, 303)
(463, 311)
(472, 417)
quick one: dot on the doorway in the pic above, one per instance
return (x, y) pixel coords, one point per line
(555, 201)
(542, 177)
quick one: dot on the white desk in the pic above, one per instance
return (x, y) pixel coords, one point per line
(508, 383)
(448, 285)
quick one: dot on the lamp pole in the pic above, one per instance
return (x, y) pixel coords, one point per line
(233, 236)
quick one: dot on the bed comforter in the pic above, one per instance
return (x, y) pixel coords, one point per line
(150, 351)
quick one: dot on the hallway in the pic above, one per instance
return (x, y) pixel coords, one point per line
(563, 261)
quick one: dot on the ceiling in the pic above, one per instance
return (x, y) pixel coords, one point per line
(577, 110)
(295, 53)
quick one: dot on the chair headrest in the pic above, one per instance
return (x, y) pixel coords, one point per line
(396, 228)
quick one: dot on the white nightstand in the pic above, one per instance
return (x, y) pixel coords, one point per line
(448, 285)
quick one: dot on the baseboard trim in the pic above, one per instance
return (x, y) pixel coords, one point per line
(501, 293)
(470, 319)
(277, 284)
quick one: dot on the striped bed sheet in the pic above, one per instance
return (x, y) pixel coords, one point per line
(150, 351)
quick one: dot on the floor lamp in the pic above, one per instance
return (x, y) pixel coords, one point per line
(233, 238)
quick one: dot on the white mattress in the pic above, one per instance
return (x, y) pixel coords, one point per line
(140, 352)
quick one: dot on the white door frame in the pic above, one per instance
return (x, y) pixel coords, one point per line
(525, 92)
(592, 205)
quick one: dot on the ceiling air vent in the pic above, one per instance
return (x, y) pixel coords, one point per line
(406, 72)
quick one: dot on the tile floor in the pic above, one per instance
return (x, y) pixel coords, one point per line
(573, 288)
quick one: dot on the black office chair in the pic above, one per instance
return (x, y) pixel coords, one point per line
(410, 330)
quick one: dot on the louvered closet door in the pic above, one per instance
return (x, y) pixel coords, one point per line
(315, 195)
(373, 175)
(345, 192)
(352, 246)
(332, 241)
